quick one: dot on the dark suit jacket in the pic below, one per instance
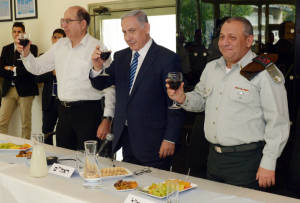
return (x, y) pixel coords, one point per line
(47, 98)
(146, 108)
(24, 81)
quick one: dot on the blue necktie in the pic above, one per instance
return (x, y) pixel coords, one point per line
(133, 67)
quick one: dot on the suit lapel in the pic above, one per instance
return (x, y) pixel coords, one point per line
(126, 70)
(150, 56)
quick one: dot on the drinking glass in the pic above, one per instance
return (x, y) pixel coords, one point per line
(172, 191)
(91, 173)
(79, 157)
(105, 54)
(174, 81)
(23, 40)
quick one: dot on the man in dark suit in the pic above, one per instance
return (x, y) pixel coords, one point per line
(50, 100)
(144, 125)
(19, 86)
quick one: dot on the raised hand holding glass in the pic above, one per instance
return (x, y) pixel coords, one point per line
(174, 81)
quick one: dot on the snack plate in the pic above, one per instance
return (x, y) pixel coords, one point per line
(13, 150)
(129, 173)
(127, 190)
(145, 189)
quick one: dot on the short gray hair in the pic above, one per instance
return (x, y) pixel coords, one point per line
(139, 14)
(248, 29)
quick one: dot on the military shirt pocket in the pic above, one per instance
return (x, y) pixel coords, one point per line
(241, 93)
(206, 91)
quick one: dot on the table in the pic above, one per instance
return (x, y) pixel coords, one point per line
(17, 186)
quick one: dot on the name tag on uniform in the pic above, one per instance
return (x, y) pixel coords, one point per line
(61, 170)
(135, 199)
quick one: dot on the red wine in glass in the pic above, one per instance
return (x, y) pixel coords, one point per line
(174, 81)
(174, 84)
(24, 42)
(105, 55)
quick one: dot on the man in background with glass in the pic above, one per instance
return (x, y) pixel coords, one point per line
(246, 112)
(19, 86)
(80, 108)
(50, 100)
(144, 126)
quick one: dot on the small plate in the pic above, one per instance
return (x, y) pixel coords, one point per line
(145, 189)
(129, 173)
(14, 150)
(126, 190)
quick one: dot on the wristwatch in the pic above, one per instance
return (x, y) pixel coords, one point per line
(108, 118)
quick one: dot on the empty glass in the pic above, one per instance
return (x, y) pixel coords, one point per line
(90, 173)
(172, 191)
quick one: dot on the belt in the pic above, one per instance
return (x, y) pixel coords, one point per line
(71, 104)
(238, 148)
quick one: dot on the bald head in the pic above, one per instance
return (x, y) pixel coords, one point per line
(81, 13)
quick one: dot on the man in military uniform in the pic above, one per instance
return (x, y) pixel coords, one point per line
(246, 112)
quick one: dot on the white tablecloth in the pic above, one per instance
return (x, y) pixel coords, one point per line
(16, 186)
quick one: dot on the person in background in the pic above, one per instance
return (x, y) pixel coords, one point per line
(19, 86)
(80, 108)
(144, 126)
(246, 116)
(50, 100)
(198, 57)
(269, 46)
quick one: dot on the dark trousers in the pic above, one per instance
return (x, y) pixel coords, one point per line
(49, 120)
(235, 168)
(129, 157)
(78, 123)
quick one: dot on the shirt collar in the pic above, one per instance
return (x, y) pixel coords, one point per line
(143, 51)
(83, 41)
(247, 58)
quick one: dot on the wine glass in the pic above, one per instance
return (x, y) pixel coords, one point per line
(23, 40)
(105, 54)
(174, 81)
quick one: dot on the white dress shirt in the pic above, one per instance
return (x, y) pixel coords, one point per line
(72, 66)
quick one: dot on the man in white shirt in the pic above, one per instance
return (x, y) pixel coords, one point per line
(80, 110)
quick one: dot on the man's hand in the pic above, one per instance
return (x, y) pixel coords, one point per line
(11, 68)
(103, 129)
(24, 51)
(96, 59)
(265, 177)
(166, 149)
(176, 95)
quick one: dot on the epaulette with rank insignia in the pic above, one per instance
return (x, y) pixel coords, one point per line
(260, 63)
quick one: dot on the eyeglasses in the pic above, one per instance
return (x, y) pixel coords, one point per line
(67, 21)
